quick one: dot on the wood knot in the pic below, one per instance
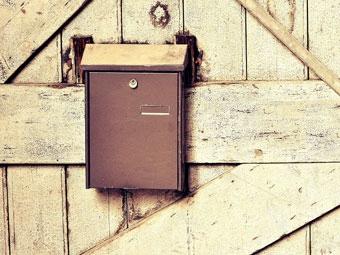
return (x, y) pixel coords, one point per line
(159, 15)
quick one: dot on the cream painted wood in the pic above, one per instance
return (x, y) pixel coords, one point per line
(267, 58)
(220, 30)
(25, 31)
(296, 243)
(138, 25)
(4, 233)
(293, 44)
(143, 203)
(240, 122)
(101, 21)
(36, 210)
(234, 212)
(262, 122)
(41, 124)
(45, 67)
(324, 32)
(325, 234)
(93, 215)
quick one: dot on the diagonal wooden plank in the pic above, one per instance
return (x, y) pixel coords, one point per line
(296, 243)
(249, 208)
(29, 28)
(240, 122)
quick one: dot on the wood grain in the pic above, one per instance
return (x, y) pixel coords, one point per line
(325, 238)
(292, 43)
(41, 125)
(324, 33)
(241, 122)
(37, 210)
(93, 215)
(101, 21)
(220, 30)
(30, 28)
(138, 25)
(243, 204)
(267, 58)
(4, 233)
(45, 67)
(296, 243)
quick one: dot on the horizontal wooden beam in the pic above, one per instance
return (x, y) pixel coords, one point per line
(236, 122)
(249, 208)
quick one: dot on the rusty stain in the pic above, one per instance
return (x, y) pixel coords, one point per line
(159, 15)
(258, 152)
(23, 10)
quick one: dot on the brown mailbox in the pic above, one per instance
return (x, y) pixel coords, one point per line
(134, 116)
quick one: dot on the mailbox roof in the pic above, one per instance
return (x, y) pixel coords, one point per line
(134, 57)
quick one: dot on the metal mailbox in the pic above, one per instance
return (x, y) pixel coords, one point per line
(134, 116)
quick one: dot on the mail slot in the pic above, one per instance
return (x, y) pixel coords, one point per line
(134, 116)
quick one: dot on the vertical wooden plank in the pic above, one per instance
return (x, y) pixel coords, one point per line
(324, 32)
(92, 214)
(296, 243)
(99, 20)
(325, 237)
(36, 210)
(45, 67)
(267, 58)
(220, 29)
(4, 248)
(151, 21)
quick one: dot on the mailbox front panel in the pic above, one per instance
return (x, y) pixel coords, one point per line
(133, 130)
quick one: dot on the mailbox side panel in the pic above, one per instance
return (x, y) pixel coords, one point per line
(133, 133)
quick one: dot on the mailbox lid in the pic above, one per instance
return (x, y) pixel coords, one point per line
(134, 57)
(133, 133)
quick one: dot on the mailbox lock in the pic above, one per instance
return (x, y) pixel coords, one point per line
(133, 83)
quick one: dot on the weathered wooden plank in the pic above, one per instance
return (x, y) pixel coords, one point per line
(4, 247)
(164, 233)
(241, 122)
(324, 32)
(101, 21)
(266, 122)
(36, 210)
(325, 238)
(29, 28)
(151, 21)
(41, 124)
(45, 67)
(220, 29)
(296, 243)
(243, 205)
(200, 175)
(143, 203)
(93, 215)
(267, 58)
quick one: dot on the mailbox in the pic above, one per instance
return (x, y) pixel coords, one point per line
(134, 115)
